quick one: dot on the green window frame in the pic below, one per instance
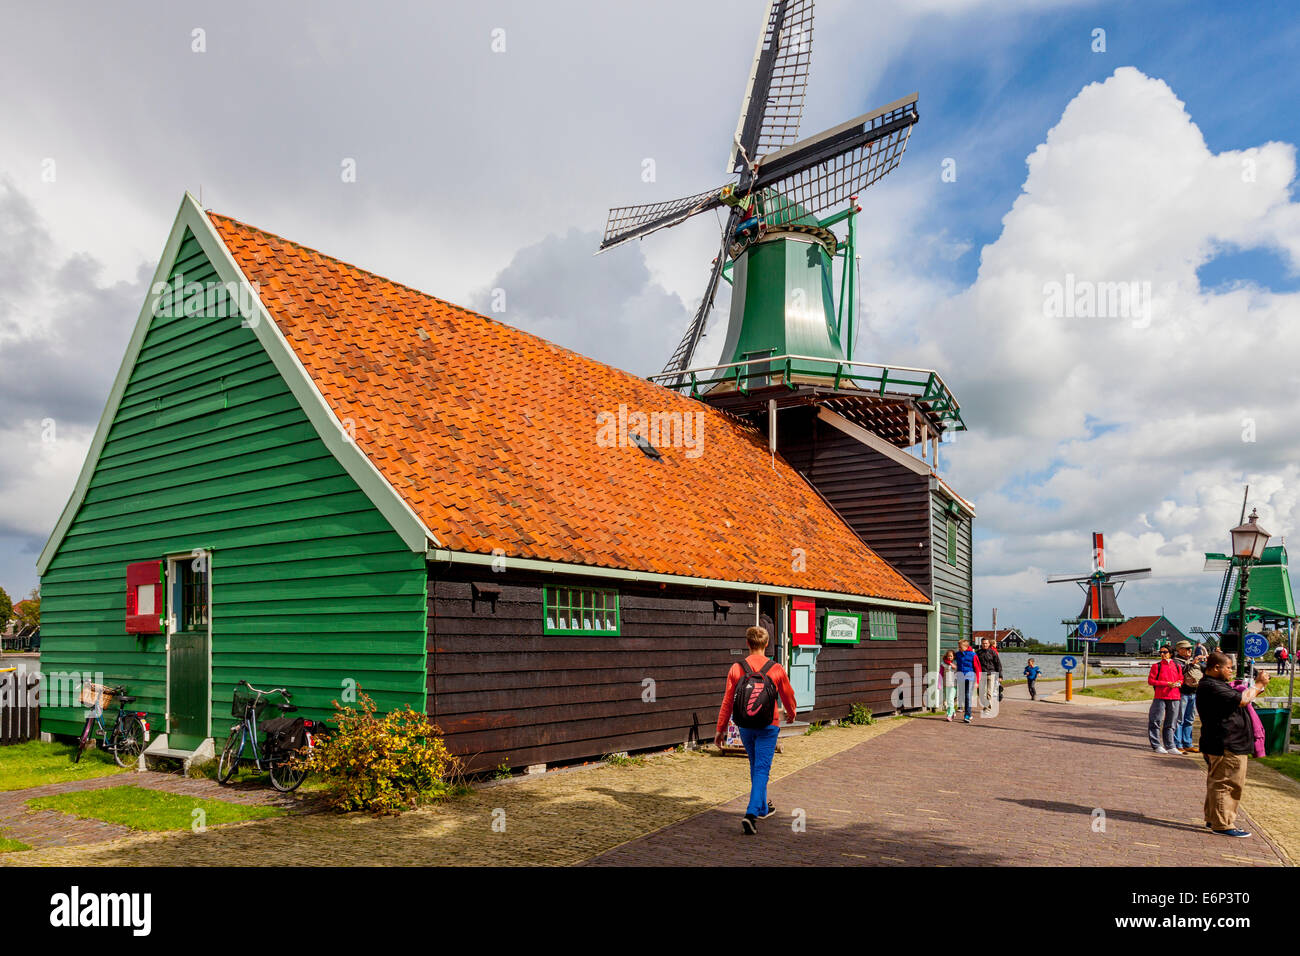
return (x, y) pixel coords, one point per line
(882, 625)
(952, 542)
(580, 611)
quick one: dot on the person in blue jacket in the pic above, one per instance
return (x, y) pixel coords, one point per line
(968, 672)
(1031, 674)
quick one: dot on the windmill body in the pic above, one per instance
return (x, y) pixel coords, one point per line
(865, 434)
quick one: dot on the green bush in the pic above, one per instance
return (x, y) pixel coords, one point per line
(859, 714)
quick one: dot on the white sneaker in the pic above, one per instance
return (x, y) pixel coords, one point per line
(1161, 750)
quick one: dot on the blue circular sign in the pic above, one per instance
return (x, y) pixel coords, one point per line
(1256, 645)
(1087, 628)
(1069, 663)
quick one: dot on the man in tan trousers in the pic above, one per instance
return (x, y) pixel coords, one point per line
(1227, 738)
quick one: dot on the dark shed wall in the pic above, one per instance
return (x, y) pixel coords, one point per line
(503, 692)
(886, 504)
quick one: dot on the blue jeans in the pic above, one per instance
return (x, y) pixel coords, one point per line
(1186, 715)
(760, 745)
(1162, 719)
(968, 682)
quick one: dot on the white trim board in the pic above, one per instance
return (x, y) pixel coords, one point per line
(621, 574)
(874, 442)
(372, 483)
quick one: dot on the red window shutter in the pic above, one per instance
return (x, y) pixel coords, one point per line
(144, 597)
(803, 621)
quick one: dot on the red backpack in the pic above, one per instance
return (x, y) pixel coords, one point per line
(755, 702)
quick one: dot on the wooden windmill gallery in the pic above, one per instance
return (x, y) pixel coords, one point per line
(309, 476)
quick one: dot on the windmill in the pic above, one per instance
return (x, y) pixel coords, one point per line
(1100, 587)
(779, 253)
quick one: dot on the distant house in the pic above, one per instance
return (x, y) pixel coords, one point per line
(1138, 635)
(1005, 637)
(17, 637)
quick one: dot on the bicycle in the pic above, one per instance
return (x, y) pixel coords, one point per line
(125, 740)
(286, 770)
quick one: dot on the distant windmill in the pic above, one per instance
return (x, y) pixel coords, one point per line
(781, 251)
(1099, 586)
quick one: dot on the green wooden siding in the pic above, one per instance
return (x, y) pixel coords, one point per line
(952, 580)
(311, 588)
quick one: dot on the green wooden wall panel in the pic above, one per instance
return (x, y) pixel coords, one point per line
(311, 588)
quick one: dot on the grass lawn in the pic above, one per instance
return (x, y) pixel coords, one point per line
(1288, 764)
(1278, 687)
(10, 846)
(1135, 690)
(142, 809)
(34, 763)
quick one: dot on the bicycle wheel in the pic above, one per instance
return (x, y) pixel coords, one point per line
(229, 761)
(128, 742)
(286, 776)
(82, 742)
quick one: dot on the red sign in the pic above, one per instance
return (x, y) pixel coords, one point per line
(803, 621)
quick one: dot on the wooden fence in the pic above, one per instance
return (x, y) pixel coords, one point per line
(20, 712)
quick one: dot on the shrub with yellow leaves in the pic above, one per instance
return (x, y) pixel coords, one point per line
(382, 763)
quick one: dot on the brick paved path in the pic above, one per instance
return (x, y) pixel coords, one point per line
(49, 828)
(1020, 788)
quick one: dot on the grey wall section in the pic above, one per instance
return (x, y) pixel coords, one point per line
(885, 503)
(953, 585)
(505, 693)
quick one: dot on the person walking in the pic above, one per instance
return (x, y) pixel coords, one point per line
(1032, 671)
(968, 672)
(1166, 678)
(991, 669)
(948, 670)
(1193, 667)
(1227, 739)
(1281, 654)
(757, 681)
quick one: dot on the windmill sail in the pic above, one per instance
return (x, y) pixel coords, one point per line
(778, 83)
(681, 356)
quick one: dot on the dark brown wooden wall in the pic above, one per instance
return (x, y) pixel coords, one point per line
(503, 692)
(887, 504)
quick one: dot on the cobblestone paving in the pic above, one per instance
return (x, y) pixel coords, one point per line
(49, 828)
(553, 818)
(1019, 788)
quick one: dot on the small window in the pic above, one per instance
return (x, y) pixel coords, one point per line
(883, 625)
(579, 611)
(192, 610)
(952, 542)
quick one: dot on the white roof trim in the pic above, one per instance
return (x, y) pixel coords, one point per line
(874, 442)
(362, 470)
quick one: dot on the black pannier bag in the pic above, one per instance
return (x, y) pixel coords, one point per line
(284, 735)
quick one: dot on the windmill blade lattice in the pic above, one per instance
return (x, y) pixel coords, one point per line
(634, 222)
(778, 83)
(681, 357)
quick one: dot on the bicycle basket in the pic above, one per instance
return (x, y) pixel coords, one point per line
(241, 701)
(95, 695)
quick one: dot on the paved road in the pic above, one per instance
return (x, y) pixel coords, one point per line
(1033, 786)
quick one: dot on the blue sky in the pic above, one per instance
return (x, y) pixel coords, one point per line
(481, 171)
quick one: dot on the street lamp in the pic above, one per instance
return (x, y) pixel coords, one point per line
(1248, 542)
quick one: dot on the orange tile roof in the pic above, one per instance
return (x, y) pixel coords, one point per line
(491, 436)
(1133, 627)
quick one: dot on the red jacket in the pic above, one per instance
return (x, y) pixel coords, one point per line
(1161, 673)
(777, 675)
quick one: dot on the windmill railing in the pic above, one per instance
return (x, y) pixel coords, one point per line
(920, 384)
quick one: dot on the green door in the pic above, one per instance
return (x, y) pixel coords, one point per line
(187, 655)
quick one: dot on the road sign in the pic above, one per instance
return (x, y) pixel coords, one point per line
(1069, 663)
(1087, 630)
(1256, 645)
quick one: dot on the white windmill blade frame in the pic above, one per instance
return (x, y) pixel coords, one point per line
(1063, 578)
(1132, 574)
(777, 125)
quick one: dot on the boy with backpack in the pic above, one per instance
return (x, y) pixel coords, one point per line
(753, 686)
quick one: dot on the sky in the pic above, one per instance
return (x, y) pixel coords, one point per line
(1060, 145)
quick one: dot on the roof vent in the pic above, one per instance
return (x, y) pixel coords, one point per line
(648, 449)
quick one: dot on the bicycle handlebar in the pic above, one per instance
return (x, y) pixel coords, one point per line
(273, 690)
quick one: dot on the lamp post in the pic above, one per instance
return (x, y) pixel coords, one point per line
(1248, 542)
